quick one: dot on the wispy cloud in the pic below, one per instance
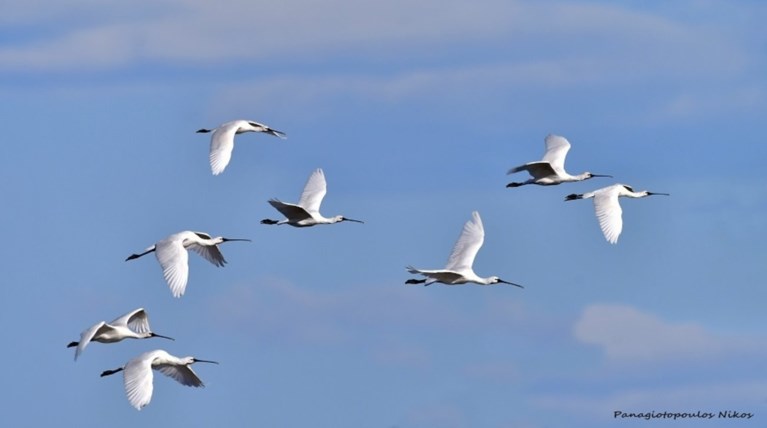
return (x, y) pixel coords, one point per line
(626, 334)
(619, 42)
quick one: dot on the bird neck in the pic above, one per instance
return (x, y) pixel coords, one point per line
(488, 281)
(641, 194)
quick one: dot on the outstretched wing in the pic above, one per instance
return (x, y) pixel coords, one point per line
(609, 214)
(314, 190)
(136, 320)
(556, 151)
(537, 170)
(221, 146)
(468, 244)
(182, 374)
(138, 380)
(292, 211)
(86, 337)
(210, 253)
(444, 276)
(174, 261)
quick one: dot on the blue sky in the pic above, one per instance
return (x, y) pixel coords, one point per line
(415, 110)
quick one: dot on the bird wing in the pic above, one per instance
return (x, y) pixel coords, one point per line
(174, 261)
(221, 146)
(182, 374)
(468, 244)
(136, 320)
(291, 211)
(537, 170)
(314, 190)
(609, 214)
(86, 336)
(210, 253)
(438, 275)
(556, 151)
(138, 376)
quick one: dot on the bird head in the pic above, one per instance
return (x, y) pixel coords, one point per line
(591, 175)
(340, 218)
(192, 360)
(496, 280)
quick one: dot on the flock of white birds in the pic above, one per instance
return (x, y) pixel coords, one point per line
(172, 252)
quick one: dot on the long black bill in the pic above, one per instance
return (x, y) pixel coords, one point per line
(656, 193)
(601, 175)
(510, 283)
(235, 239)
(135, 256)
(351, 219)
(160, 335)
(196, 360)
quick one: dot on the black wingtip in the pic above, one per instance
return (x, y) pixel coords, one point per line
(572, 197)
(72, 344)
(202, 131)
(513, 185)
(268, 221)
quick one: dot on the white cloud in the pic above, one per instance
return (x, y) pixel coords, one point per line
(745, 99)
(607, 40)
(628, 335)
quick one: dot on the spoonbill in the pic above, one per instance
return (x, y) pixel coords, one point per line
(133, 325)
(551, 170)
(138, 374)
(459, 265)
(307, 212)
(222, 140)
(172, 254)
(608, 209)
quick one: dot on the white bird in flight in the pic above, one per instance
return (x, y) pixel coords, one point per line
(307, 212)
(138, 374)
(133, 325)
(222, 140)
(551, 170)
(173, 256)
(459, 265)
(608, 209)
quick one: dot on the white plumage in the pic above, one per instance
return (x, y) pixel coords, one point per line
(222, 140)
(551, 169)
(307, 212)
(138, 375)
(172, 254)
(133, 325)
(608, 209)
(459, 265)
